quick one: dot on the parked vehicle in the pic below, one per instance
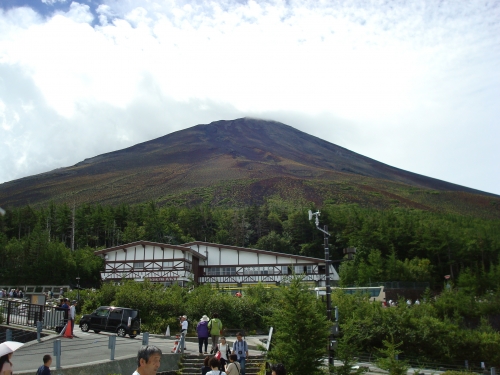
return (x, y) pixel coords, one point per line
(122, 320)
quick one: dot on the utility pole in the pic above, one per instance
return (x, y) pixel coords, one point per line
(328, 262)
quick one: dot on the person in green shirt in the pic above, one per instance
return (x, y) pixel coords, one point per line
(215, 326)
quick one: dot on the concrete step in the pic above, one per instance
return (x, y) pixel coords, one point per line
(192, 364)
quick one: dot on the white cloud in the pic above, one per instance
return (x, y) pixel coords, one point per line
(414, 85)
(52, 2)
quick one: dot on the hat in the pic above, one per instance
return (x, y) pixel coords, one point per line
(185, 316)
(204, 318)
(74, 301)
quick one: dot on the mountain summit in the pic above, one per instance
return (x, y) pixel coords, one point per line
(255, 157)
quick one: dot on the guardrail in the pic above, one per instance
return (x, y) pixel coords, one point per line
(22, 313)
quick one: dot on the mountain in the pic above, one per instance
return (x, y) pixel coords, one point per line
(241, 161)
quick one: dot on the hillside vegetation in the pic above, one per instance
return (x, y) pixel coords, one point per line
(392, 244)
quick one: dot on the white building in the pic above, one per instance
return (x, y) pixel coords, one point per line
(205, 262)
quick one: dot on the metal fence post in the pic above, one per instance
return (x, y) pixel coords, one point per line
(8, 312)
(39, 331)
(57, 353)
(8, 335)
(112, 346)
(145, 338)
(493, 371)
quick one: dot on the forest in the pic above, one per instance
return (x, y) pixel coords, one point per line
(392, 245)
(55, 244)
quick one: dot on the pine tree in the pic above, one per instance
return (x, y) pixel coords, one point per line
(301, 330)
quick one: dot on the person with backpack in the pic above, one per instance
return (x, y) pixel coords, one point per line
(240, 348)
(215, 327)
(234, 367)
(45, 368)
(202, 331)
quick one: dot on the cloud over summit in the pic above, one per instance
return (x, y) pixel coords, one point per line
(414, 85)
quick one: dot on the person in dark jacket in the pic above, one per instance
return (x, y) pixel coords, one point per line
(202, 331)
(206, 366)
(45, 368)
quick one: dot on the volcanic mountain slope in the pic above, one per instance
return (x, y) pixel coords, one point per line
(254, 157)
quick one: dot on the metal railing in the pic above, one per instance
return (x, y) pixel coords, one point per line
(22, 313)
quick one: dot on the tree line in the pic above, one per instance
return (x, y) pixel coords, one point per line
(446, 330)
(392, 245)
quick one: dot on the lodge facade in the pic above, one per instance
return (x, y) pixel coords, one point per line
(204, 262)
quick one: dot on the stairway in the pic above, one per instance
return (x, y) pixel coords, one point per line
(192, 364)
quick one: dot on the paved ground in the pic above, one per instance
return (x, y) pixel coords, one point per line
(89, 347)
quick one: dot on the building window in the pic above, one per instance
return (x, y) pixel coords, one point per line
(138, 265)
(168, 264)
(220, 271)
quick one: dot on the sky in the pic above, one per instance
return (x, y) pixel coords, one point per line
(413, 84)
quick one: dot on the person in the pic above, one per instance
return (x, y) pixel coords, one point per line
(240, 348)
(6, 364)
(65, 308)
(72, 314)
(233, 368)
(205, 368)
(202, 331)
(184, 328)
(45, 368)
(278, 369)
(148, 360)
(215, 326)
(224, 352)
(214, 364)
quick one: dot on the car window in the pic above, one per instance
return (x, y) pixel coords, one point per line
(115, 314)
(102, 312)
(131, 313)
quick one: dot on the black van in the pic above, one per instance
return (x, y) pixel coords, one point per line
(122, 320)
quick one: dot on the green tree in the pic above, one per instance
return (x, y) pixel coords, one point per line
(301, 330)
(389, 358)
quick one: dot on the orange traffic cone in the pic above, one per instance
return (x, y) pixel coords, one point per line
(67, 333)
(176, 343)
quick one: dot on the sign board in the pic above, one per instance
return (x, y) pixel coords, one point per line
(162, 278)
(268, 345)
(38, 299)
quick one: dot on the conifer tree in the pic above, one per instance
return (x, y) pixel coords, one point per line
(301, 330)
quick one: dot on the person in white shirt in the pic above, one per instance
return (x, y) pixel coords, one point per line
(72, 314)
(148, 360)
(224, 352)
(184, 328)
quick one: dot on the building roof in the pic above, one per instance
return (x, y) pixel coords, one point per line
(149, 243)
(250, 250)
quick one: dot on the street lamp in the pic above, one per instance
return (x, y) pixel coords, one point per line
(331, 340)
(78, 288)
